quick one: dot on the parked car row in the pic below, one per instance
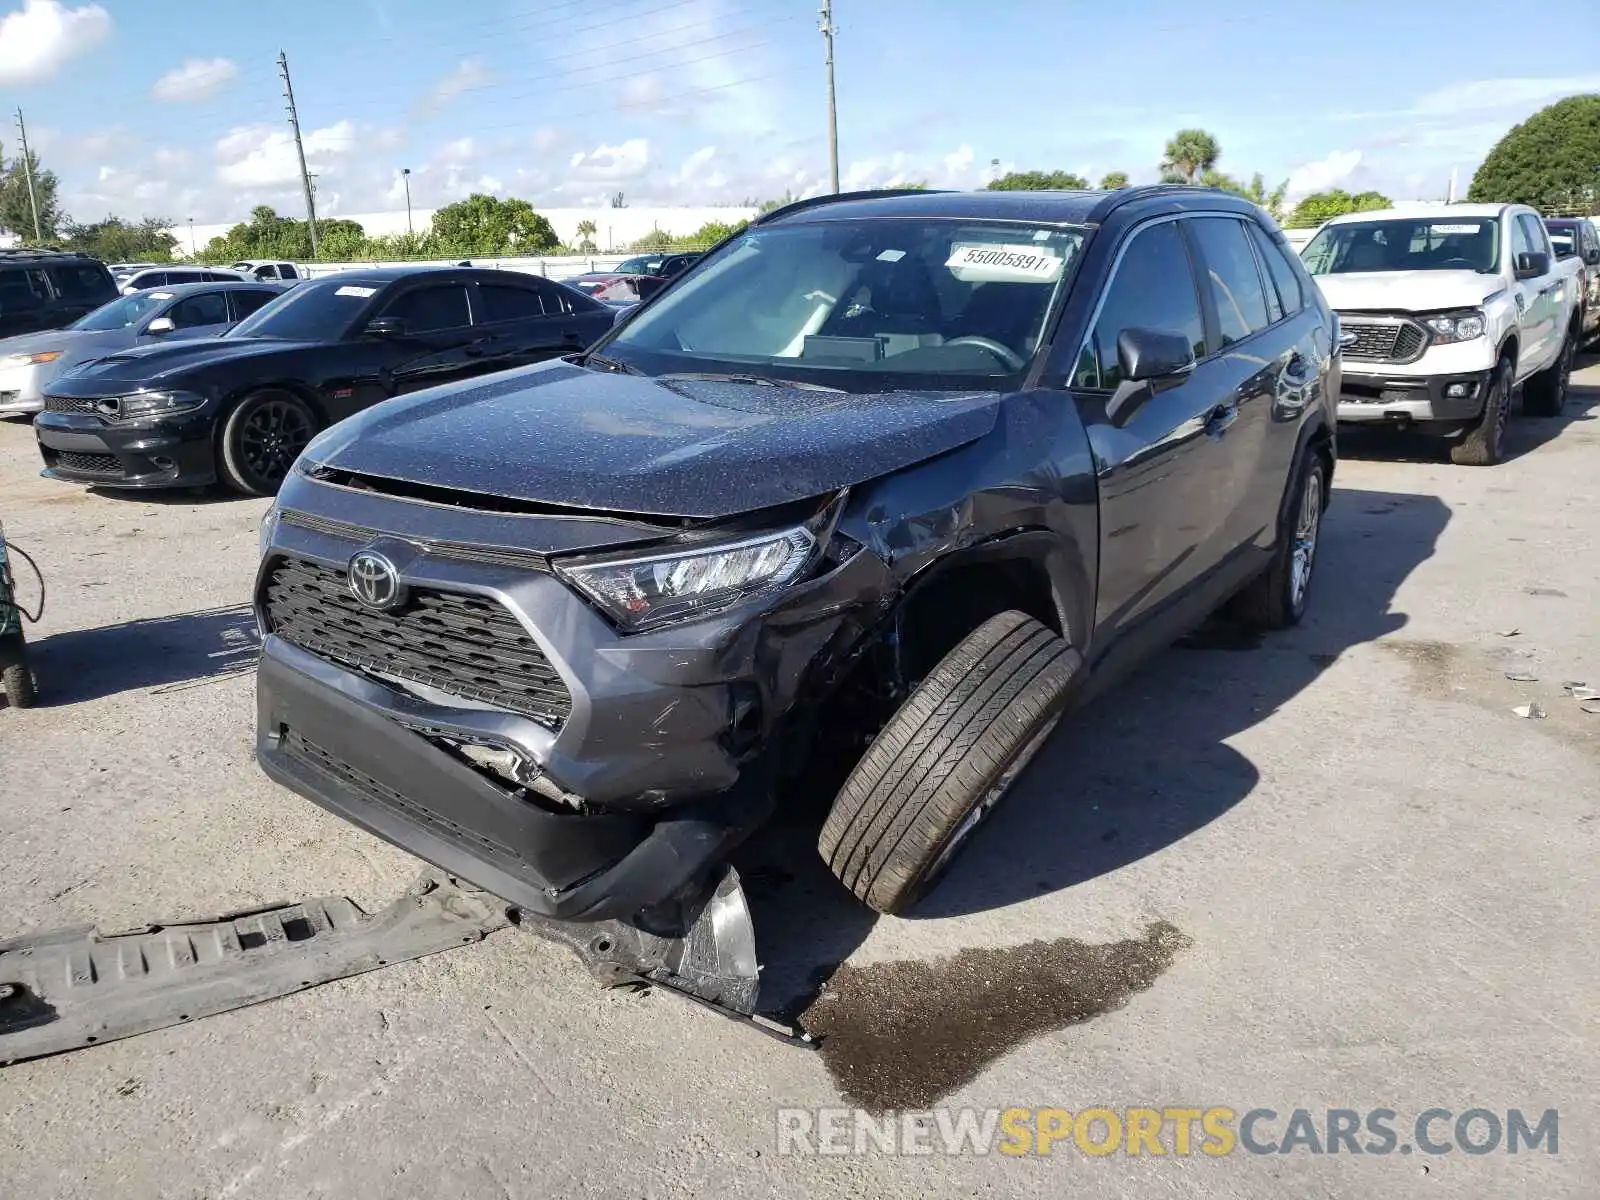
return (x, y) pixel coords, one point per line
(634, 279)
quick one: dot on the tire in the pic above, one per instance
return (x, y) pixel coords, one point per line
(260, 440)
(20, 686)
(1483, 446)
(1277, 598)
(945, 759)
(1545, 395)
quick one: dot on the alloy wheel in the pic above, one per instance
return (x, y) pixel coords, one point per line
(1308, 523)
(272, 438)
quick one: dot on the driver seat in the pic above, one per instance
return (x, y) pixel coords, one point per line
(1008, 313)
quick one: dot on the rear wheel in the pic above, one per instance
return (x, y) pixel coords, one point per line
(1276, 599)
(1483, 444)
(945, 759)
(20, 686)
(260, 440)
(1545, 395)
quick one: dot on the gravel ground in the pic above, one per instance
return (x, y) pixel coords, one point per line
(1331, 869)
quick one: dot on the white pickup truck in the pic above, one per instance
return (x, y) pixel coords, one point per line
(1444, 314)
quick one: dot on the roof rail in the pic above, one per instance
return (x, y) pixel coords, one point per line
(1145, 191)
(840, 197)
(43, 252)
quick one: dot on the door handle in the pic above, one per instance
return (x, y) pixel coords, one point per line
(1220, 417)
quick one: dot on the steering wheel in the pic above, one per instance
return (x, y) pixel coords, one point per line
(1004, 353)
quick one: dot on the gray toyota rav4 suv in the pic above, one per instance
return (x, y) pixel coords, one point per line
(856, 508)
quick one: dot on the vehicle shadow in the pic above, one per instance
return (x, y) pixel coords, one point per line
(198, 495)
(165, 653)
(1139, 768)
(1524, 434)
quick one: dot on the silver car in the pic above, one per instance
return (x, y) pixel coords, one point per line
(30, 361)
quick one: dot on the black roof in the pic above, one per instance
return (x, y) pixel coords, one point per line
(1048, 207)
(378, 276)
(33, 255)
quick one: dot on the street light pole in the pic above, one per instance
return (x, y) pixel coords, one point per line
(828, 30)
(405, 175)
(193, 253)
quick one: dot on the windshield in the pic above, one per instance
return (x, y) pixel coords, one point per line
(1563, 239)
(123, 312)
(638, 266)
(318, 311)
(861, 305)
(1412, 244)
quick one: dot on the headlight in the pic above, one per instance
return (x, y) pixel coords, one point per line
(149, 404)
(641, 593)
(269, 525)
(1460, 326)
(29, 360)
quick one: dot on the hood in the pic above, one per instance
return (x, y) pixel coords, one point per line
(73, 343)
(561, 434)
(1407, 291)
(155, 364)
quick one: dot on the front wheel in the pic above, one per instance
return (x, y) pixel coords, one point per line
(1484, 443)
(20, 687)
(945, 759)
(260, 440)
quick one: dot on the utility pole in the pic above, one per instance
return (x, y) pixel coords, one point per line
(27, 170)
(299, 149)
(405, 174)
(828, 30)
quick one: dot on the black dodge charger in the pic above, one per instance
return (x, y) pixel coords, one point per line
(240, 408)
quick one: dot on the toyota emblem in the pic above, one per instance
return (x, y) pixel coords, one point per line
(375, 582)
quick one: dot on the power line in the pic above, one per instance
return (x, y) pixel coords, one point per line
(300, 149)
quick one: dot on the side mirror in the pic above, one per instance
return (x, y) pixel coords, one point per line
(160, 326)
(1532, 263)
(1591, 257)
(1151, 361)
(386, 327)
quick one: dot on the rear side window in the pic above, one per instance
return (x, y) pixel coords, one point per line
(430, 309)
(1152, 289)
(287, 271)
(1284, 279)
(502, 302)
(23, 289)
(208, 308)
(245, 303)
(1232, 276)
(81, 282)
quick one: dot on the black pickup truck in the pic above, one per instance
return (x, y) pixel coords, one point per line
(1577, 237)
(881, 486)
(242, 406)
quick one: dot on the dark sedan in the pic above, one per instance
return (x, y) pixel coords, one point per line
(636, 278)
(241, 407)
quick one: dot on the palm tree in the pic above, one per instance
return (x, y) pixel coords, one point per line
(586, 231)
(1189, 153)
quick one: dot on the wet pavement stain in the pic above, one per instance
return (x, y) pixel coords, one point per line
(899, 1035)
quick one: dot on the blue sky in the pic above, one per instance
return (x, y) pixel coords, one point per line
(173, 107)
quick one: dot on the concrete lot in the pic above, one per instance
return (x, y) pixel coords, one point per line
(1382, 884)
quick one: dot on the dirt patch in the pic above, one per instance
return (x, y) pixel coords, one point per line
(902, 1034)
(1434, 662)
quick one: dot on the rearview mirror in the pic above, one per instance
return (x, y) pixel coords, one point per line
(1532, 263)
(1151, 360)
(386, 327)
(161, 325)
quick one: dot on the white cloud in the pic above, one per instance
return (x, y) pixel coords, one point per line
(462, 150)
(1482, 95)
(197, 79)
(606, 164)
(546, 139)
(694, 164)
(1323, 174)
(469, 74)
(36, 40)
(263, 156)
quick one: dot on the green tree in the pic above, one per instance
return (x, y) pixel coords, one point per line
(766, 206)
(1038, 181)
(483, 224)
(1112, 180)
(1318, 207)
(586, 231)
(1255, 191)
(1551, 160)
(16, 208)
(1190, 152)
(341, 241)
(116, 240)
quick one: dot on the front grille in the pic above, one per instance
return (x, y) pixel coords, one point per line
(1395, 341)
(70, 404)
(88, 464)
(468, 646)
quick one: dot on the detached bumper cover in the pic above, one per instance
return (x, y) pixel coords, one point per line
(331, 736)
(173, 451)
(1456, 397)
